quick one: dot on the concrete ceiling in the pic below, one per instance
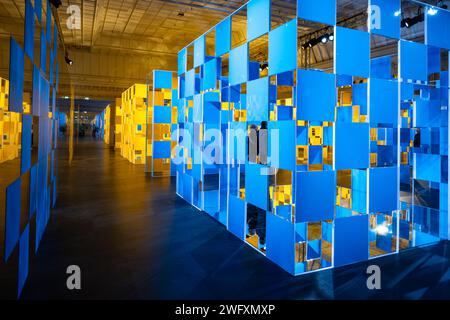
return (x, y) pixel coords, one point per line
(120, 42)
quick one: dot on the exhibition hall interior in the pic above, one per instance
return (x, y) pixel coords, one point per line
(224, 149)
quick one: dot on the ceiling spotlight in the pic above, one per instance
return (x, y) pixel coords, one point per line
(324, 39)
(330, 37)
(68, 61)
(86, 98)
(66, 97)
(409, 22)
(419, 18)
(56, 3)
(315, 41)
(397, 13)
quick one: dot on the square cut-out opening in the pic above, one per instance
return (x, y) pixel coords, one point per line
(239, 28)
(259, 57)
(315, 46)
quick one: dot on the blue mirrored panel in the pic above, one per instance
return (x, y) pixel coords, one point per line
(239, 65)
(319, 11)
(352, 52)
(199, 51)
(413, 61)
(223, 37)
(438, 27)
(283, 48)
(385, 17)
(316, 95)
(258, 18)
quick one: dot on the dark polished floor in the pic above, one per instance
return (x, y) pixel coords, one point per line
(133, 238)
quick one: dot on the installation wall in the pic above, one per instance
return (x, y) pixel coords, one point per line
(27, 143)
(357, 143)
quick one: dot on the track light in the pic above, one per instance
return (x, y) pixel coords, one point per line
(409, 22)
(417, 19)
(56, 3)
(406, 23)
(315, 41)
(68, 61)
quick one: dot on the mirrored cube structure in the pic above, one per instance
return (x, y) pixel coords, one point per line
(132, 124)
(318, 138)
(161, 122)
(28, 131)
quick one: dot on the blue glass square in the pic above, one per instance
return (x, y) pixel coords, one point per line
(352, 145)
(316, 95)
(239, 65)
(315, 196)
(383, 107)
(258, 18)
(223, 37)
(413, 61)
(385, 18)
(283, 48)
(383, 188)
(352, 52)
(258, 100)
(323, 11)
